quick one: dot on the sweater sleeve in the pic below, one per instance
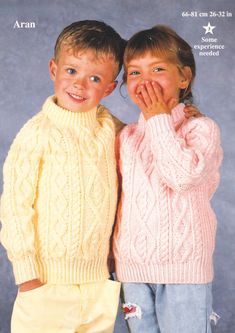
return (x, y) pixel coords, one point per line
(20, 175)
(186, 160)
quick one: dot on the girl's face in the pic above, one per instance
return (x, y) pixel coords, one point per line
(149, 67)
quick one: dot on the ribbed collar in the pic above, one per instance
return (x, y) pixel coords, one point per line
(67, 119)
(177, 116)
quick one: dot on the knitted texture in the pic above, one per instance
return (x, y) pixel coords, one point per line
(165, 231)
(59, 199)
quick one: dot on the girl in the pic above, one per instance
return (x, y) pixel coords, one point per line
(165, 233)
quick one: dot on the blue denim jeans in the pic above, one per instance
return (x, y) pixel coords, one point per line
(168, 308)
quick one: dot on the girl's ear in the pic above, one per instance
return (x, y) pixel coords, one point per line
(186, 74)
(52, 69)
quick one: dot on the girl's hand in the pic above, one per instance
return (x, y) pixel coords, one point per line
(150, 100)
(190, 110)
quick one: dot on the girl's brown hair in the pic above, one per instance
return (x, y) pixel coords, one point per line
(162, 40)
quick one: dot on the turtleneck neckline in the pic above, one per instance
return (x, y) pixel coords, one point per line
(177, 116)
(65, 118)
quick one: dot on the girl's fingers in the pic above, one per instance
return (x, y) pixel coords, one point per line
(139, 95)
(140, 102)
(190, 108)
(151, 92)
(192, 111)
(150, 100)
(193, 114)
(172, 103)
(158, 91)
(189, 113)
(145, 94)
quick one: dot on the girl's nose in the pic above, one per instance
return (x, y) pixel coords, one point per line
(145, 80)
(142, 83)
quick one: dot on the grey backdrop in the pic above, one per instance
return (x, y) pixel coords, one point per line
(25, 83)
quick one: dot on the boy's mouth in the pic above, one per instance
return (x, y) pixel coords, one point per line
(77, 98)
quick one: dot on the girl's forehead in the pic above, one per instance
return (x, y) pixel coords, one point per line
(150, 56)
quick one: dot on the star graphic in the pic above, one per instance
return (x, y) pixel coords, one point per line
(209, 28)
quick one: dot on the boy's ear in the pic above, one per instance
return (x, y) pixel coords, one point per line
(186, 74)
(110, 88)
(52, 69)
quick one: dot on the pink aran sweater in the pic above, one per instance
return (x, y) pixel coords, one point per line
(165, 231)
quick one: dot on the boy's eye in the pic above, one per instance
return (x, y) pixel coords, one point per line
(71, 71)
(158, 69)
(95, 78)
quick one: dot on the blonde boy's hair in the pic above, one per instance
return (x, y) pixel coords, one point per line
(91, 34)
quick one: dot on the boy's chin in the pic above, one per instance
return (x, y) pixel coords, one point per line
(73, 108)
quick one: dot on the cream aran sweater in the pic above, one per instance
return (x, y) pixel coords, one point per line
(59, 197)
(166, 226)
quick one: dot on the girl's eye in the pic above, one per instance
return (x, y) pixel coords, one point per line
(134, 73)
(95, 78)
(71, 71)
(158, 69)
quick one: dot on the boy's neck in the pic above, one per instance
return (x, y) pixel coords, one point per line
(68, 119)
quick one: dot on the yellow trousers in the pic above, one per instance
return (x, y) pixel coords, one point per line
(85, 308)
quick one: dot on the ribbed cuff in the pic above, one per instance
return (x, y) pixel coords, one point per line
(161, 123)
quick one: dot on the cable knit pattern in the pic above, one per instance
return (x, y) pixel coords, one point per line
(165, 231)
(59, 198)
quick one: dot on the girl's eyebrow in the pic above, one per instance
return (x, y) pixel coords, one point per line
(154, 63)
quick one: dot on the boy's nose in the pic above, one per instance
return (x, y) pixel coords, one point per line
(79, 82)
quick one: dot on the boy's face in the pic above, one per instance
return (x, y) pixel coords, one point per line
(82, 79)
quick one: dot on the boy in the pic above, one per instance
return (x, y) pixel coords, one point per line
(60, 191)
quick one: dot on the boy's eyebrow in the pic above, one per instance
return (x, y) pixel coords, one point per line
(93, 72)
(68, 64)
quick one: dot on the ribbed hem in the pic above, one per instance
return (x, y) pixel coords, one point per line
(25, 270)
(65, 118)
(190, 272)
(64, 271)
